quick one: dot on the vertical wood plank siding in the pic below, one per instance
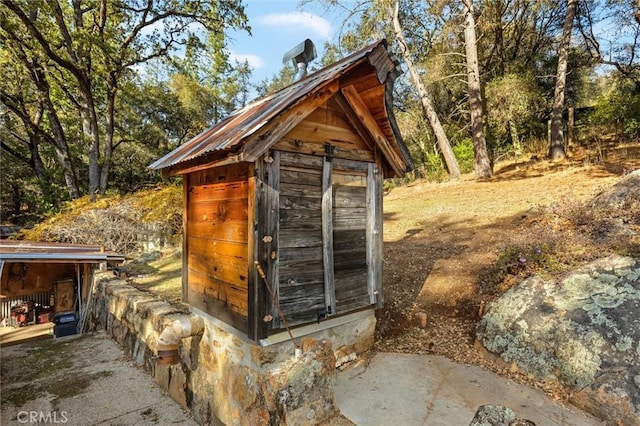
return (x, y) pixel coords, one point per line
(267, 253)
(374, 234)
(327, 235)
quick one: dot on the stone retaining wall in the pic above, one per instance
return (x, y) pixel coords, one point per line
(223, 377)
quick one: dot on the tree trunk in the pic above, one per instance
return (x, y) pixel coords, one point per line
(515, 139)
(482, 162)
(556, 148)
(427, 103)
(112, 90)
(37, 163)
(59, 138)
(91, 135)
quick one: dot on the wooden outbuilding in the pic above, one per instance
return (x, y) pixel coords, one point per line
(293, 183)
(46, 277)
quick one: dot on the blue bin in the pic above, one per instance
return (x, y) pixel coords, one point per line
(65, 324)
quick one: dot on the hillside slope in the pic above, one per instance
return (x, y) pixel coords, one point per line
(451, 248)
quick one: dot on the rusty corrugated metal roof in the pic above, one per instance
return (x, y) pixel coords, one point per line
(37, 251)
(229, 134)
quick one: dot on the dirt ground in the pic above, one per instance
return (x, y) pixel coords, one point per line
(443, 240)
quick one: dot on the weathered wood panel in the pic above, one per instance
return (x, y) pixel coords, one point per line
(374, 234)
(300, 292)
(300, 215)
(350, 197)
(234, 172)
(228, 248)
(225, 268)
(219, 210)
(216, 237)
(294, 175)
(343, 164)
(301, 267)
(293, 238)
(289, 159)
(349, 179)
(353, 304)
(349, 237)
(343, 137)
(291, 202)
(230, 230)
(218, 191)
(349, 241)
(233, 296)
(300, 190)
(327, 236)
(313, 148)
(219, 309)
(267, 200)
(346, 219)
(300, 270)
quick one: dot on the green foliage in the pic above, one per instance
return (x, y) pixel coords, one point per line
(69, 79)
(463, 151)
(618, 108)
(514, 103)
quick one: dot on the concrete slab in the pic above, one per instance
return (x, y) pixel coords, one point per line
(16, 335)
(406, 389)
(80, 380)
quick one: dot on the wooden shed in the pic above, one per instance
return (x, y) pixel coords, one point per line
(292, 182)
(48, 277)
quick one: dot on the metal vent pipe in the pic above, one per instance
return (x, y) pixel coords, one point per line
(300, 56)
(169, 339)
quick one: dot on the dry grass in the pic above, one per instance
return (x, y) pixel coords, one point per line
(162, 276)
(119, 223)
(451, 248)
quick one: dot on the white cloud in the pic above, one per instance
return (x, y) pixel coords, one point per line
(319, 26)
(254, 61)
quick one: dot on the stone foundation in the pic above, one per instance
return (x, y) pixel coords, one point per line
(223, 377)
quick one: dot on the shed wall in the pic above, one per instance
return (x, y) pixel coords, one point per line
(216, 240)
(22, 279)
(323, 181)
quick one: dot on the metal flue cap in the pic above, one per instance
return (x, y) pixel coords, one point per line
(304, 52)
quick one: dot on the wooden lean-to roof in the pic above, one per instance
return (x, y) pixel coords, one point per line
(362, 84)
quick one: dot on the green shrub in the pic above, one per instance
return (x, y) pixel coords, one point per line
(463, 151)
(618, 108)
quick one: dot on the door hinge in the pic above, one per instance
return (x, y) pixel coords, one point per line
(328, 151)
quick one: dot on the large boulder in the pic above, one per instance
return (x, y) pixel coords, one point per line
(582, 331)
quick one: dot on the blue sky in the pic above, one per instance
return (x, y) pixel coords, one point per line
(276, 27)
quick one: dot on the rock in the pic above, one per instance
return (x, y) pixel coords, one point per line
(497, 415)
(613, 395)
(582, 331)
(421, 317)
(627, 190)
(618, 207)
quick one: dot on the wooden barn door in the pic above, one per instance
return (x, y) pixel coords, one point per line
(357, 234)
(301, 270)
(330, 236)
